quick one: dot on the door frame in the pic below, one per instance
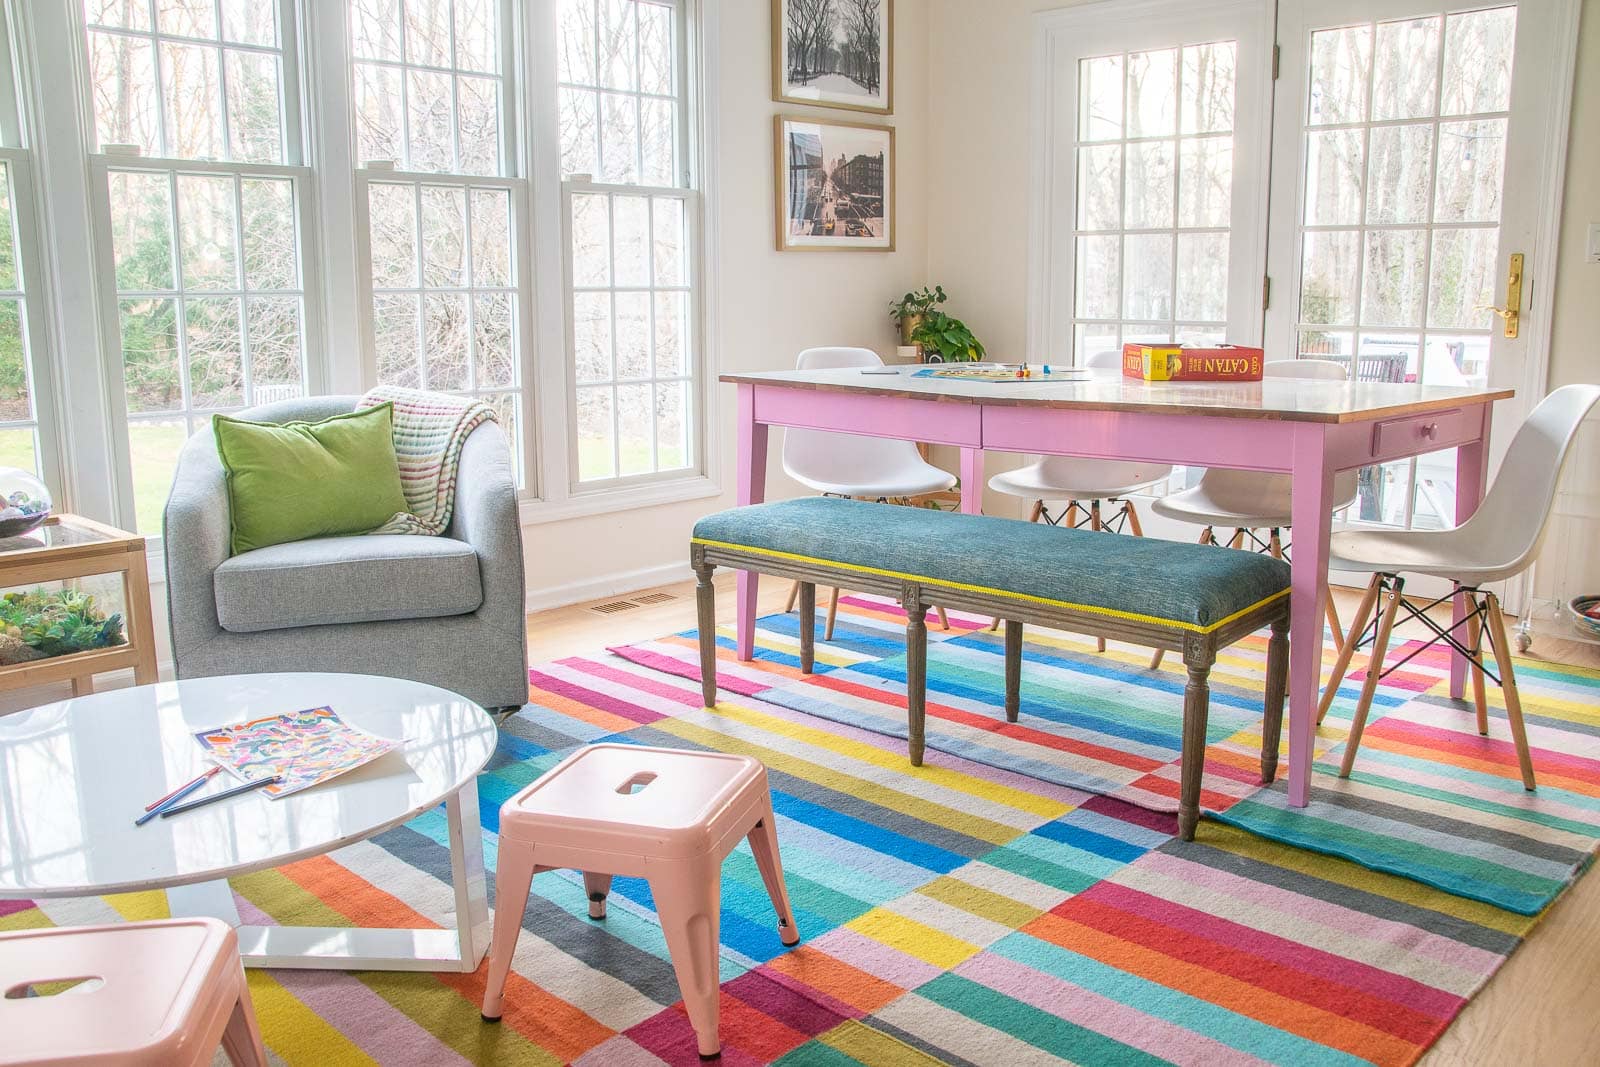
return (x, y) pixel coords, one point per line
(1107, 25)
(1550, 81)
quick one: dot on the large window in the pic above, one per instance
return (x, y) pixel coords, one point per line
(21, 444)
(632, 209)
(202, 217)
(431, 96)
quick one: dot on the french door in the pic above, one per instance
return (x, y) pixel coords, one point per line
(1411, 160)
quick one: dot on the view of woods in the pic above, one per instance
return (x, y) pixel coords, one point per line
(832, 39)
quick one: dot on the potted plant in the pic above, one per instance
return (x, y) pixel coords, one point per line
(949, 337)
(910, 310)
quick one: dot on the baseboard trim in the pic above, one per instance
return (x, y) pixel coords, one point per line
(558, 596)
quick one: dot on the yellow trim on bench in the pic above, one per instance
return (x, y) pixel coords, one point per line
(924, 579)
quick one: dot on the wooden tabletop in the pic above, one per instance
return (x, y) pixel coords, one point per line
(1289, 399)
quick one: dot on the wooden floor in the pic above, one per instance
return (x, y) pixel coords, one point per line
(1543, 1007)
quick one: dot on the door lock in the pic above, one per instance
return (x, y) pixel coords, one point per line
(1511, 314)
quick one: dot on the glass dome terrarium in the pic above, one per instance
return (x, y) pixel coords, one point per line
(24, 502)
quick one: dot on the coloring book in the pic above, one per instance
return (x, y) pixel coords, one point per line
(305, 747)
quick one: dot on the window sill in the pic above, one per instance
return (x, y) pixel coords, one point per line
(537, 512)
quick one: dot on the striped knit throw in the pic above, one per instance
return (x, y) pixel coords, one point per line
(429, 432)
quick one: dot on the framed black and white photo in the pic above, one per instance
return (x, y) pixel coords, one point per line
(835, 185)
(834, 53)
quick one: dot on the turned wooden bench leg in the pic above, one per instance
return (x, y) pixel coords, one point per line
(706, 612)
(1013, 669)
(916, 672)
(1196, 708)
(1277, 685)
(808, 626)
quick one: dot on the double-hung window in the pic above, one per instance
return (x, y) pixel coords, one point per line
(442, 239)
(22, 320)
(201, 218)
(632, 215)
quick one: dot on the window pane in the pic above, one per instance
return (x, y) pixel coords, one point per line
(1334, 173)
(1400, 173)
(619, 138)
(15, 404)
(580, 126)
(633, 335)
(150, 355)
(428, 32)
(129, 14)
(1393, 278)
(1203, 276)
(658, 142)
(1472, 158)
(277, 369)
(1340, 59)
(1328, 280)
(394, 325)
(635, 430)
(477, 35)
(254, 128)
(1405, 69)
(153, 447)
(393, 213)
(1477, 61)
(1147, 277)
(19, 448)
(1100, 187)
(208, 235)
(672, 426)
(432, 127)
(216, 352)
(478, 115)
(187, 18)
(1208, 82)
(1100, 98)
(444, 237)
(1463, 270)
(631, 253)
(1099, 273)
(1205, 186)
(491, 237)
(575, 52)
(444, 341)
(591, 333)
(591, 241)
(1149, 186)
(618, 45)
(672, 334)
(495, 357)
(141, 229)
(191, 91)
(669, 236)
(656, 50)
(250, 21)
(1152, 93)
(377, 114)
(122, 72)
(596, 435)
(271, 253)
(8, 232)
(375, 29)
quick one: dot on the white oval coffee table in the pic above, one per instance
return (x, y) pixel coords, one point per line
(74, 774)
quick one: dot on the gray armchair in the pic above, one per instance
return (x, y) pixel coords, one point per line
(444, 610)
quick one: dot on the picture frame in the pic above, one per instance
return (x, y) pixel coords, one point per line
(834, 185)
(837, 54)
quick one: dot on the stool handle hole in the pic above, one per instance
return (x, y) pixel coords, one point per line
(637, 783)
(52, 987)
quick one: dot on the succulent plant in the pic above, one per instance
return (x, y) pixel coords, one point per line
(59, 622)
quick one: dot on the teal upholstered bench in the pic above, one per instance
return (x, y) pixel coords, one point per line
(1192, 599)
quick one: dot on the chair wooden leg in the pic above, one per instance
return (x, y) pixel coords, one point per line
(1277, 687)
(1331, 610)
(1013, 669)
(1156, 658)
(1038, 509)
(1133, 519)
(833, 614)
(916, 674)
(1380, 648)
(1196, 708)
(1237, 540)
(1275, 543)
(706, 611)
(1508, 685)
(944, 620)
(1094, 516)
(1347, 648)
(1475, 642)
(1208, 536)
(808, 626)
(1071, 520)
(994, 624)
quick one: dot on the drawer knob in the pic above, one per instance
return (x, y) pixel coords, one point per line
(1429, 430)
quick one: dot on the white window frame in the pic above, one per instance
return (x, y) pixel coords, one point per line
(564, 497)
(16, 151)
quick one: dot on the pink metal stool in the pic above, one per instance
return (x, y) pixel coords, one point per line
(662, 814)
(168, 993)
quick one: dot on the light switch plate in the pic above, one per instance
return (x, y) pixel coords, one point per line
(1594, 242)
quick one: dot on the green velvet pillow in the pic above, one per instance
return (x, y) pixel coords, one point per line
(297, 480)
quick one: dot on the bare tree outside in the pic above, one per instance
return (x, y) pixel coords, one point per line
(834, 50)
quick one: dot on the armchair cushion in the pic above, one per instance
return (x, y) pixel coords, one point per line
(334, 580)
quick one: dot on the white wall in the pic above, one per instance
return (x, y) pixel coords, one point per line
(771, 304)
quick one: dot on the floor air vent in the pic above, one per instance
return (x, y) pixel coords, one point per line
(614, 606)
(654, 598)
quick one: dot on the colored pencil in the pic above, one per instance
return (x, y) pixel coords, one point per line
(170, 797)
(168, 801)
(200, 802)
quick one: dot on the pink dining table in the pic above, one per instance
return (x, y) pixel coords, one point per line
(1305, 428)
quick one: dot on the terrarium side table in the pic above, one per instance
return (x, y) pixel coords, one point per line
(68, 547)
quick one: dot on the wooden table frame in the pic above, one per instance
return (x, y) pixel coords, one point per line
(1307, 429)
(119, 553)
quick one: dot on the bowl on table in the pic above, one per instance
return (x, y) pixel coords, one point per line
(1586, 614)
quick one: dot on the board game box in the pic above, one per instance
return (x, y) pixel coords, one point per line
(1192, 363)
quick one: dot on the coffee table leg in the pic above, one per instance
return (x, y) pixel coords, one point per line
(356, 948)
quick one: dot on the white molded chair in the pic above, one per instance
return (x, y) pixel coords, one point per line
(1251, 500)
(1094, 480)
(1499, 541)
(878, 468)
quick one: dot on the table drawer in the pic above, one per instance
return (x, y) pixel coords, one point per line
(1414, 435)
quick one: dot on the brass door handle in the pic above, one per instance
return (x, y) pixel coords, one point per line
(1511, 314)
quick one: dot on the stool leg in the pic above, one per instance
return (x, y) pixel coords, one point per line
(763, 839)
(596, 885)
(511, 881)
(1013, 669)
(916, 674)
(688, 899)
(241, 1040)
(1277, 686)
(1196, 708)
(705, 595)
(808, 626)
